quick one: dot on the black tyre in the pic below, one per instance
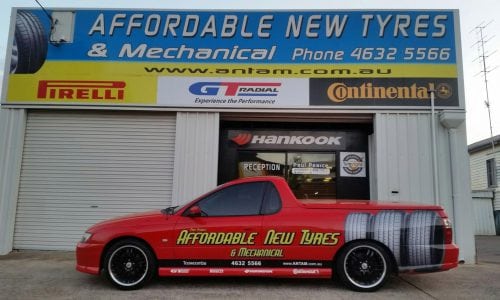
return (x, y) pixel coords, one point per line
(29, 48)
(129, 264)
(388, 229)
(356, 226)
(363, 266)
(425, 239)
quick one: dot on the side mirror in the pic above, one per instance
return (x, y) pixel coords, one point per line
(194, 211)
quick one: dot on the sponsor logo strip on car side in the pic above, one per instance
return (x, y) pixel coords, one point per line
(229, 263)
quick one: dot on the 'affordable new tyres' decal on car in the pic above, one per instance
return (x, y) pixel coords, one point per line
(240, 59)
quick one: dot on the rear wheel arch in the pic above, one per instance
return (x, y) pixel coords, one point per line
(358, 265)
(394, 264)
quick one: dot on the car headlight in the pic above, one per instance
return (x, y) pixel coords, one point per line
(86, 236)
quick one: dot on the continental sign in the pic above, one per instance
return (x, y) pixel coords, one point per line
(242, 59)
(383, 92)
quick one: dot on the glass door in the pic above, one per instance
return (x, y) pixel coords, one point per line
(312, 175)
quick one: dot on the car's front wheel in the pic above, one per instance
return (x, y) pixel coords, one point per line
(129, 264)
(363, 266)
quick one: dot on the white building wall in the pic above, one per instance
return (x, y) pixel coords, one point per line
(478, 168)
(478, 172)
(404, 170)
(196, 155)
(402, 144)
(12, 127)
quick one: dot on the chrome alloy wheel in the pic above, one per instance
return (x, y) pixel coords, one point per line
(365, 266)
(128, 265)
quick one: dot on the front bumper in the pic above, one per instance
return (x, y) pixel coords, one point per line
(88, 258)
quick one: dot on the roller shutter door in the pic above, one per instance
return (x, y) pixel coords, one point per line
(79, 168)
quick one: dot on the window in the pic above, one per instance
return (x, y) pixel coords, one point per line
(272, 201)
(237, 200)
(310, 175)
(491, 172)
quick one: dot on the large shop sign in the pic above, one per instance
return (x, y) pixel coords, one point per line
(236, 59)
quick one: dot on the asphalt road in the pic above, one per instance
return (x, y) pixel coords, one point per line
(51, 275)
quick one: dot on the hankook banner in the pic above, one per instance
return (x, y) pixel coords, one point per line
(288, 140)
(164, 58)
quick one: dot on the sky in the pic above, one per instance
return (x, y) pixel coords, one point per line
(472, 14)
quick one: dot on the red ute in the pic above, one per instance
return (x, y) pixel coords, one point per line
(256, 227)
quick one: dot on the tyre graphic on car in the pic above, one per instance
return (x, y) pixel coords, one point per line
(29, 48)
(414, 239)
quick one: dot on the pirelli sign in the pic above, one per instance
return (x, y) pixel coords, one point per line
(382, 92)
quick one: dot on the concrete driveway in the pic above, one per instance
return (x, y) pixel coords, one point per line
(51, 275)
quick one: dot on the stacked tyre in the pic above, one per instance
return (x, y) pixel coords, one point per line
(424, 239)
(415, 239)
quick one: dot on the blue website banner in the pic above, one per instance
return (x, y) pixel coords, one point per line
(261, 37)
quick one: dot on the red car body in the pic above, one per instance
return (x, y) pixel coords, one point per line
(284, 237)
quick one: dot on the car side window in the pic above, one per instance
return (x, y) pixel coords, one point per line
(272, 200)
(237, 200)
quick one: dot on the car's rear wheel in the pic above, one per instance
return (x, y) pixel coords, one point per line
(129, 264)
(363, 266)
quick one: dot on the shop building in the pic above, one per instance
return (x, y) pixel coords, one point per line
(485, 174)
(136, 110)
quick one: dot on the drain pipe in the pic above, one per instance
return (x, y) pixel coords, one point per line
(434, 150)
(451, 121)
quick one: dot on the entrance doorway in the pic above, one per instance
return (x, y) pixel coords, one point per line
(318, 160)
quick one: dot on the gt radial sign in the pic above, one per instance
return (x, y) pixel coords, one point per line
(243, 58)
(233, 92)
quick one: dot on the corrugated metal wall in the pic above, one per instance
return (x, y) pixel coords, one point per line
(483, 213)
(83, 167)
(404, 158)
(12, 124)
(403, 143)
(196, 148)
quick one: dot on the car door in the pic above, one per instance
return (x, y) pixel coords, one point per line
(229, 223)
(305, 238)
